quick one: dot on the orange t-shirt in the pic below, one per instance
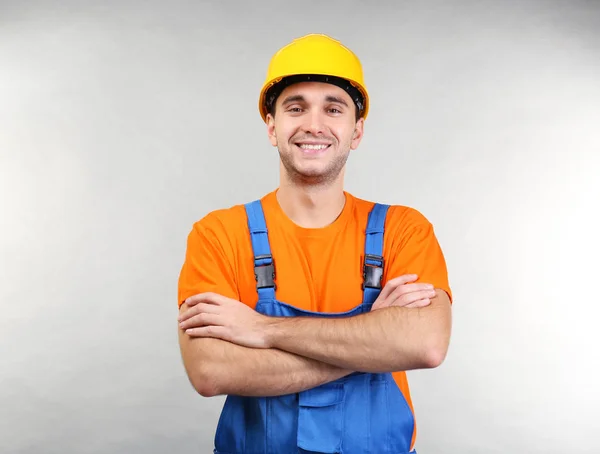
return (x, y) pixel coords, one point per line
(315, 269)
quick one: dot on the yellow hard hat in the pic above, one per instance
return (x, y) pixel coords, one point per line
(315, 57)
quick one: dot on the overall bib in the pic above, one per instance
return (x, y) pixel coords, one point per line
(359, 413)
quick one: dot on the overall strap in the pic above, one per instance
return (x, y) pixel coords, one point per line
(373, 262)
(264, 267)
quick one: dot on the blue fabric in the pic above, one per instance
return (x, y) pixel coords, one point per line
(359, 413)
(260, 243)
(375, 230)
(374, 244)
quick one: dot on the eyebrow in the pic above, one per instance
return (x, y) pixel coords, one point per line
(336, 99)
(300, 98)
(294, 98)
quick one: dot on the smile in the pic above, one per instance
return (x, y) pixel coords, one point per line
(313, 147)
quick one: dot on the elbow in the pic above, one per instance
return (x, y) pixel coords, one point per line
(434, 357)
(436, 344)
(203, 382)
(205, 389)
(435, 354)
(200, 365)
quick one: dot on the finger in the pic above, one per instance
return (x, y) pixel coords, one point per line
(186, 314)
(392, 284)
(198, 309)
(193, 301)
(207, 297)
(404, 279)
(202, 319)
(417, 291)
(207, 308)
(420, 303)
(412, 288)
(403, 299)
(218, 332)
(407, 288)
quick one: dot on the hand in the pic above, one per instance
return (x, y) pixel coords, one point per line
(398, 292)
(214, 315)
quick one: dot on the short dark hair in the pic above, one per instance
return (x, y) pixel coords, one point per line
(273, 92)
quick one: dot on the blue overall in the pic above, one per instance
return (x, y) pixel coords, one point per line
(359, 413)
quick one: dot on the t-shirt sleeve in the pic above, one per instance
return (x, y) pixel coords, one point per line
(417, 251)
(206, 267)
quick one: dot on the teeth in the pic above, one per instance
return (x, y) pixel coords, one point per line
(313, 147)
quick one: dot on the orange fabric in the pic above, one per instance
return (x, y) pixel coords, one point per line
(315, 269)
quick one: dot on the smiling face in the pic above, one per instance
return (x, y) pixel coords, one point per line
(314, 128)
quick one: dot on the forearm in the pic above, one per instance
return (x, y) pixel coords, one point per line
(385, 340)
(217, 367)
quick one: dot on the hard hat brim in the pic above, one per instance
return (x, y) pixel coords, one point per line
(355, 90)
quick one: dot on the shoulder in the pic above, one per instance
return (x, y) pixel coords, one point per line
(224, 225)
(222, 220)
(398, 218)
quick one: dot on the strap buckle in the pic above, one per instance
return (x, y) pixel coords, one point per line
(264, 274)
(372, 274)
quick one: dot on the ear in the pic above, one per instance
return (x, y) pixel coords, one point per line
(358, 133)
(270, 120)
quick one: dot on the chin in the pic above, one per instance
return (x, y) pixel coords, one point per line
(311, 172)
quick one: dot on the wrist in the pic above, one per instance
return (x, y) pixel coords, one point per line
(273, 331)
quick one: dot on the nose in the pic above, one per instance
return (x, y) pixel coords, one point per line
(315, 124)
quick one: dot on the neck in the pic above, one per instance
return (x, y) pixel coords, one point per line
(311, 206)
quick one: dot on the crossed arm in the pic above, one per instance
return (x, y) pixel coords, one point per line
(216, 367)
(386, 340)
(228, 348)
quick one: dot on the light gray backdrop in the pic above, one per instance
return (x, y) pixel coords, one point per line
(122, 123)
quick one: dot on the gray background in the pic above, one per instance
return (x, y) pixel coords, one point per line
(122, 123)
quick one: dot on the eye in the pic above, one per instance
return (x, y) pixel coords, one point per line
(335, 110)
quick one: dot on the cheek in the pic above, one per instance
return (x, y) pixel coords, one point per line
(285, 133)
(345, 135)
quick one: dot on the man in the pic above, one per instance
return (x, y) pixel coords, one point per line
(307, 306)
